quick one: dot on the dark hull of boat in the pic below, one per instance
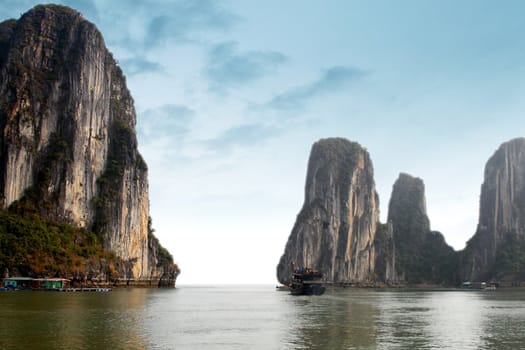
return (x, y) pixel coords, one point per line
(308, 289)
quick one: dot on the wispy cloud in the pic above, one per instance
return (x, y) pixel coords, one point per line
(227, 66)
(174, 21)
(242, 136)
(168, 122)
(138, 65)
(331, 80)
(185, 18)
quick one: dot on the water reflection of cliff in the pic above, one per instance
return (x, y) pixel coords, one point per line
(73, 320)
(364, 319)
(337, 320)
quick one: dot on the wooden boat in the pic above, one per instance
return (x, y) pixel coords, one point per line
(306, 282)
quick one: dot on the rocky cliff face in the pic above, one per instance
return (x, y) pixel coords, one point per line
(385, 248)
(68, 149)
(497, 250)
(337, 230)
(336, 227)
(407, 215)
(410, 251)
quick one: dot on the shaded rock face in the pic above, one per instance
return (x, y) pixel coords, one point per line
(68, 149)
(335, 229)
(408, 251)
(385, 264)
(497, 250)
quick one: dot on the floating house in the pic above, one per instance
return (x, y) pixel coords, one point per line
(35, 283)
(18, 282)
(52, 283)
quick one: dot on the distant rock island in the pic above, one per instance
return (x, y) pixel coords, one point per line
(338, 229)
(69, 165)
(409, 252)
(335, 230)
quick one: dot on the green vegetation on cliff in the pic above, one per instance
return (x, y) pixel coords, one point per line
(440, 260)
(121, 156)
(38, 199)
(336, 155)
(421, 255)
(30, 246)
(510, 258)
(164, 257)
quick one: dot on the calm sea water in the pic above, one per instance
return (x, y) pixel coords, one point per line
(258, 317)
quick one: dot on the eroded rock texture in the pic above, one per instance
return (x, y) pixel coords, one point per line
(335, 229)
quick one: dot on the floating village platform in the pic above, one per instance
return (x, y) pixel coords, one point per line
(45, 285)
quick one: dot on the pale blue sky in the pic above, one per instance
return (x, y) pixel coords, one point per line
(230, 96)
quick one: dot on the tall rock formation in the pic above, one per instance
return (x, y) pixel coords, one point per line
(408, 251)
(497, 250)
(68, 149)
(335, 229)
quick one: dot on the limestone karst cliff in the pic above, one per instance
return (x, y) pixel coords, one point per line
(68, 150)
(408, 251)
(497, 250)
(335, 229)
(338, 229)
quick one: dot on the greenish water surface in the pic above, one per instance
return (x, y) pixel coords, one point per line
(258, 317)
